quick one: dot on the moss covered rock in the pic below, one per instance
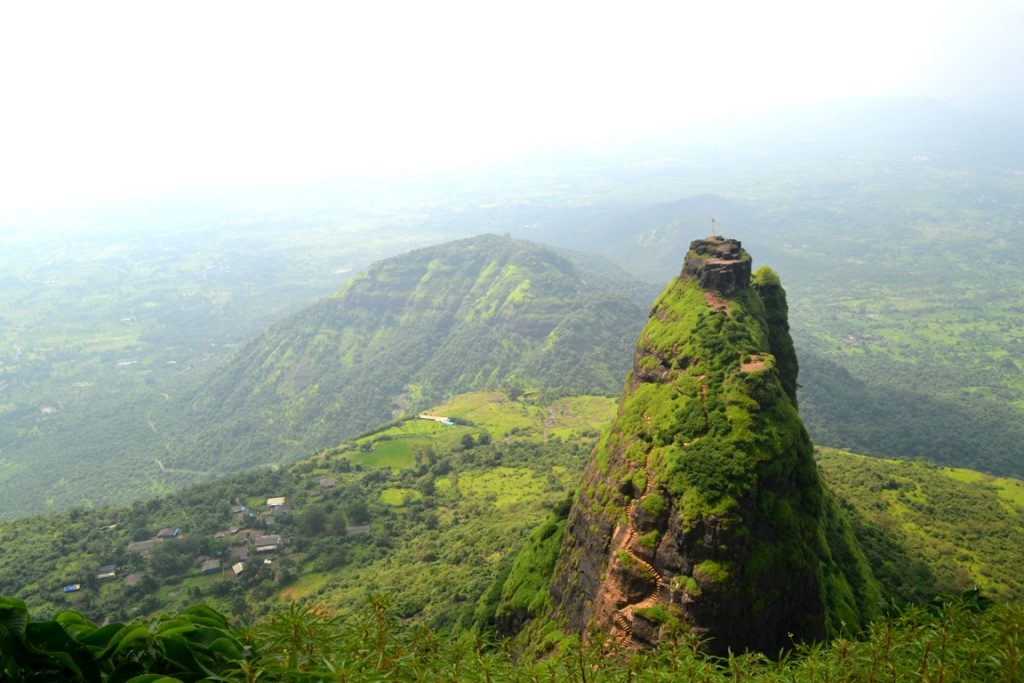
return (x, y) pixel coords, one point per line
(704, 497)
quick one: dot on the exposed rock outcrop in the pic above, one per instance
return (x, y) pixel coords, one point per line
(718, 264)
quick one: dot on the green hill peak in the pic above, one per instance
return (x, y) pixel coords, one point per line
(702, 509)
(408, 332)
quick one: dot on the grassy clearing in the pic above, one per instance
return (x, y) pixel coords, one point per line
(1009, 489)
(396, 454)
(493, 410)
(577, 414)
(504, 486)
(396, 497)
(307, 584)
(499, 415)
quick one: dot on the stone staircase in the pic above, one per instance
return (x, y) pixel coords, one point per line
(623, 618)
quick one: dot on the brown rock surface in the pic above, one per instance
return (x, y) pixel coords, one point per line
(718, 264)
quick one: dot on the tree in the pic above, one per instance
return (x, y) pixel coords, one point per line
(313, 521)
(357, 512)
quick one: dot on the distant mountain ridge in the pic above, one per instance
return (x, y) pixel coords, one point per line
(407, 332)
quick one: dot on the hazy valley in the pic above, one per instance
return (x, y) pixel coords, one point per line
(228, 414)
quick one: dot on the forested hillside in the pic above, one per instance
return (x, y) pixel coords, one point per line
(928, 529)
(412, 330)
(387, 512)
(902, 271)
(472, 314)
(99, 330)
(420, 500)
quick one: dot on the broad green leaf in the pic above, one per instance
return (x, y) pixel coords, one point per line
(137, 635)
(13, 616)
(154, 678)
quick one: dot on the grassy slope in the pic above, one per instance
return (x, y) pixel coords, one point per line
(409, 332)
(480, 512)
(930, 529)
(444, 516)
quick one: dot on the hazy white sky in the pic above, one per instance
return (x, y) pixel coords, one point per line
(106, 100)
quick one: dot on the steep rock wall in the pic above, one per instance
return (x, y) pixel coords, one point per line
(702, 509)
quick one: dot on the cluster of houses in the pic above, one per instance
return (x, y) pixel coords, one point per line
(246, 543)
(143, 547)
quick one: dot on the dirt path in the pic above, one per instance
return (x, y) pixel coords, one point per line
(716, 302)
(756, 364)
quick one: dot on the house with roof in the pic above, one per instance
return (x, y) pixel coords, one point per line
(107, 572)
(328, 483)
(142, 547)
(238, 552)
(210, 567)
(268, 544)
(237, 568)
(167, 532)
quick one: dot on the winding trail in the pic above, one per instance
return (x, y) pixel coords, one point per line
(623, 617)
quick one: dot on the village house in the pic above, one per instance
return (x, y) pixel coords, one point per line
(107, 572)
(328, 483)
(237, 568)
(142, 547)
(268, 544)
(167, 532)
(210, 567)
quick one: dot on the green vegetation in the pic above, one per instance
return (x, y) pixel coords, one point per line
(903, 270)
(99, 335)
(905, 285)
(148, 379)
(408, 332)
(927, 529)
(393, 453)
(521, 591)
(197, 644)
(960, 640)
(453, 558)
(431, 529)
(709, 443)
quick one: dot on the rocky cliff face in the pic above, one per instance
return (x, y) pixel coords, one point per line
(718, 264)
(701, 510)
